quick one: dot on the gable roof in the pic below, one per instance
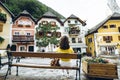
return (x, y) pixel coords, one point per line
(114, 16)
(25, 13)
(75, 17)
(50, 15)
(12, 15)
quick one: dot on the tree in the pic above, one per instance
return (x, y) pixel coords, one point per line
(46, 34)
(34, 7)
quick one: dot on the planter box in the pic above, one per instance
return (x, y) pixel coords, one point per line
(100, 70)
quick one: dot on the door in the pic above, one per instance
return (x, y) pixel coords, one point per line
(31, 48)
(13, 48)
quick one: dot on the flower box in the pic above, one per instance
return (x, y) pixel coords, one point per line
(100, 70)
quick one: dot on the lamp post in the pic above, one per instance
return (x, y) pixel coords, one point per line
(8, 47)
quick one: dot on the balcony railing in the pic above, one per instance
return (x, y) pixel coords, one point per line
(74, 32)
(49, 34)
(22, 38)
(3, 17)
(108, 41)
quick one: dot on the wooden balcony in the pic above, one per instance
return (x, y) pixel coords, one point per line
(108, 41)
(48, 34)
(74, 32)
(22, 38)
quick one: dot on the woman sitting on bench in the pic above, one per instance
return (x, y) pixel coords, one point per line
(64, 47)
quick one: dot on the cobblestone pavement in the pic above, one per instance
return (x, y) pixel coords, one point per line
(41, 74)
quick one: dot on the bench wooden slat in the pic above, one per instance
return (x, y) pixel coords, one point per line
(44, 55)
(44, 66)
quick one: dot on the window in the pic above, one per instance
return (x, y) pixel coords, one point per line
(58, 34)
(69, 21)
(27, 25)
(73, 40)
(113, 26)
(13, 48)
(49, 34)
(119, 38)
(44, 22)
(119, 29)
(89, 40)
(28, 34)
(66, 29)
(16, 33)
(31, 48)
(20, 25)
(105, 26)
(53, 23)
(79, 40)
(90, 48)
(1, 27)
(22, 48)
(107, 38)
(41, 34)
(76, 21)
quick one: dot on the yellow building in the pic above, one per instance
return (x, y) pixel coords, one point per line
(5, 26)
(105, 37)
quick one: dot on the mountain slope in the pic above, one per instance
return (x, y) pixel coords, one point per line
(34, 7)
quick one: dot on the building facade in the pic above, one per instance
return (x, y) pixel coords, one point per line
(105, 37)
(6, 17)
(20, 31)
(54, 21)
(23, 30)
(74, 29)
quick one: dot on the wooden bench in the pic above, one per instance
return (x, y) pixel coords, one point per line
(43, 55)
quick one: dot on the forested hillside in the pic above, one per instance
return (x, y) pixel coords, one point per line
(34, 7)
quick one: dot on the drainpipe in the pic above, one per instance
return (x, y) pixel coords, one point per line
(95, 44)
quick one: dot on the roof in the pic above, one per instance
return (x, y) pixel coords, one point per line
(50, 15)
(25, 13)
(75, 17)
(114, 16)
(12, 15)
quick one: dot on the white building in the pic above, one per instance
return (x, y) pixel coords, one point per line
(49, 17)
(74, 29)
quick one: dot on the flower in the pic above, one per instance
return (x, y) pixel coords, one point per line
(95, 60)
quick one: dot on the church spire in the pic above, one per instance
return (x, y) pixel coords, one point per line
(112, 4)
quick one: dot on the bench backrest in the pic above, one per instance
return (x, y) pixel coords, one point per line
(45, 55)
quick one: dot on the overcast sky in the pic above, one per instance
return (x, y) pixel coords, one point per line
(93, 11)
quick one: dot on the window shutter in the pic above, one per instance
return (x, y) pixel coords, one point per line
(104, 38)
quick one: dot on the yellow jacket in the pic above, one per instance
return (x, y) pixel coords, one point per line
(68, 51)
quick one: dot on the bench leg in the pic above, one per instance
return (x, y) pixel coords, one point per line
(17, 71)
(79, 74)
(76, 75)
(8, 71)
